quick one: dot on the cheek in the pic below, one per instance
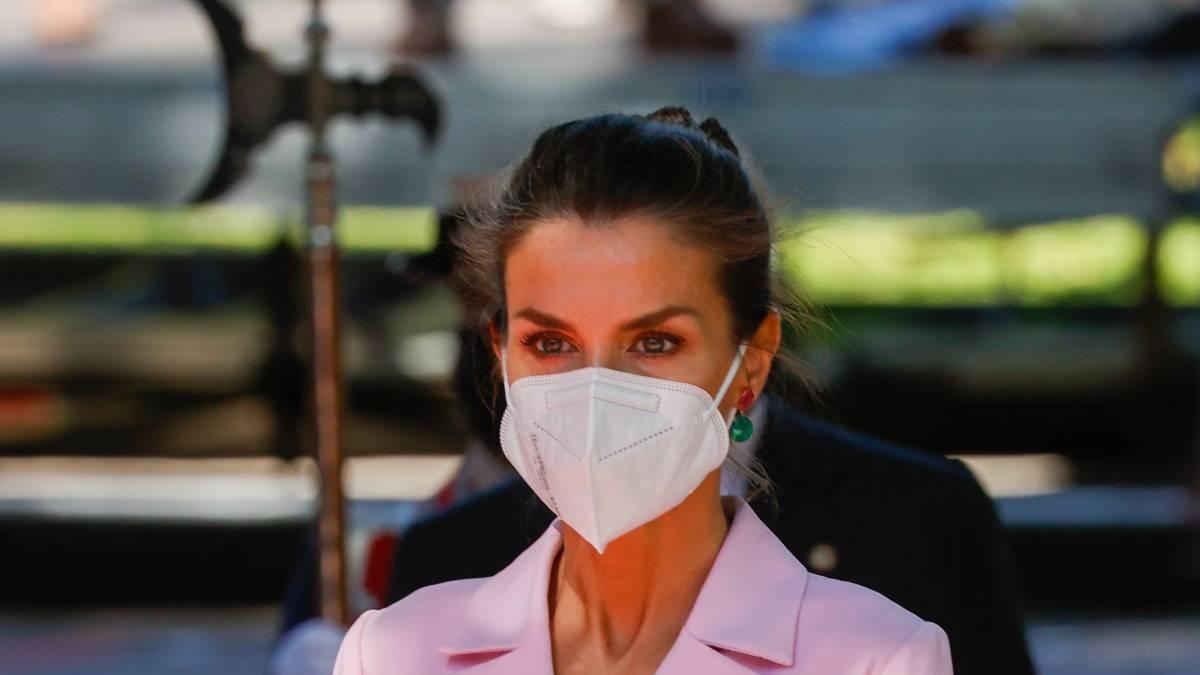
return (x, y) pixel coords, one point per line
(703, 365)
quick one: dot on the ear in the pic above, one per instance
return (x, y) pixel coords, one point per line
(761, 352)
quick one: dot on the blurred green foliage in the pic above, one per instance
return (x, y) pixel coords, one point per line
(1181, 158)
(954, 259)
(1179, 262)
(106, 228)
(837, 257)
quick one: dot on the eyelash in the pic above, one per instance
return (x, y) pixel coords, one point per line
(674, 340)
(532, 339)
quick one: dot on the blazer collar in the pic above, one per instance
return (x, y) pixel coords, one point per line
(754, 576)
(510, 605)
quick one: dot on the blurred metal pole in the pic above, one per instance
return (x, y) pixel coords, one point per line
(321, 220)
(260, 98)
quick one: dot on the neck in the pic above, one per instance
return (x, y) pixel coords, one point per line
(644, 585)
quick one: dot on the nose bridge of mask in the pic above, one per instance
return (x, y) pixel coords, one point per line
(595, 413)
(597, 386)
(721, 391)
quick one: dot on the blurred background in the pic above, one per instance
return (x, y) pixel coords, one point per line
(996, 208)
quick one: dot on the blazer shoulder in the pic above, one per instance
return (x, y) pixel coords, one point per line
(840, 620)
(407, 631)
(422, 608)
(841, 605)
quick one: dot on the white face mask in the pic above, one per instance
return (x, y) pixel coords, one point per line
(609, 451)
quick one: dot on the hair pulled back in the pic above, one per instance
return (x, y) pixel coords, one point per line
(605, 168)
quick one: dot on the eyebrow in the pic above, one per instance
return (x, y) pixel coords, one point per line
(645, 321)
(658, 316)
(542, 319)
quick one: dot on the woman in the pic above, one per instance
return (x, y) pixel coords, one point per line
(628, 266)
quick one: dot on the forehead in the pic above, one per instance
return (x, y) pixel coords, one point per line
(567, 268)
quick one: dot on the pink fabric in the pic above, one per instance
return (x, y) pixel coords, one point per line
(759, 611)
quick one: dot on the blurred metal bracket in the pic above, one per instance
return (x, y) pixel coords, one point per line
(260, 98)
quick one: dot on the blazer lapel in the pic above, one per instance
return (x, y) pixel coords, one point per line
(504, 627)
(532, 657)
(750, 602)
(689, 656)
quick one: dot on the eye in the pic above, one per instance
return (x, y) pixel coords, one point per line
(656, 344)
(547, 344)
(551, 345)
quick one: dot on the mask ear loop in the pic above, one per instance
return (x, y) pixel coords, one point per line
(504, 376)
(733, 367)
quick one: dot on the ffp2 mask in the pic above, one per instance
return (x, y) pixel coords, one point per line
(609, 451)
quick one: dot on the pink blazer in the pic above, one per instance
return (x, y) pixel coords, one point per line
(759, 611)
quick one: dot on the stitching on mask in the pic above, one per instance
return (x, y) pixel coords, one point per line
(682, 387)
(692, 390)
(540, 472)
(547, 432)
(623, 404)
(720, 427)
(635, 443)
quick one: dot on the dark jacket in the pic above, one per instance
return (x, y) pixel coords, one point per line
(913, 526)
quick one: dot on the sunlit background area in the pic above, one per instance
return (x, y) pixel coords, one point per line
(993, 208)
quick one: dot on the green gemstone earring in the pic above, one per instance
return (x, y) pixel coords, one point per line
(742, 428)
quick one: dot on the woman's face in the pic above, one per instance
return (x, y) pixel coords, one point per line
(629, 297)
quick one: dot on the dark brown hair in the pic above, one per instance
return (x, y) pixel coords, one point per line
(608, 167)
(605, 168)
